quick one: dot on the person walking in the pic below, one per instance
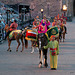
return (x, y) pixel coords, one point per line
(54, 51)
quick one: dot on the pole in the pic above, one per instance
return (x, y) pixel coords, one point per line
(30, 16)
(64, 13)
(7, 16)
(42, 14)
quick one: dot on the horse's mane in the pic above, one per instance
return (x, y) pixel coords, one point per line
(44, 40)
(6, 28)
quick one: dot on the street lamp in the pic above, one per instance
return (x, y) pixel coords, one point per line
(64, 9)
(7, 11)
(42, 13)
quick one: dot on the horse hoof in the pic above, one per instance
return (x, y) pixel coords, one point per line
(21, 51)
(32, 52)
(7, 50)
(10, 50)
(40, 65)
(16, 50)
(45, 65)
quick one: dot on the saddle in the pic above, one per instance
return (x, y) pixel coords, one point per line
(14, 31)
(31, 35)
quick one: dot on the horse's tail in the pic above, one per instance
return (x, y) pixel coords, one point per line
(26, 42)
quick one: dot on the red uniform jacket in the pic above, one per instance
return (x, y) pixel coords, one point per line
(13, 26)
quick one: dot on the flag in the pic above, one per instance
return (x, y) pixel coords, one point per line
(52, 31)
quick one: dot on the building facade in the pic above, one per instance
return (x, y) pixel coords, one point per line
(50, 7)
(70, 7)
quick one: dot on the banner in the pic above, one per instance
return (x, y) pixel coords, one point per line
(52, 31)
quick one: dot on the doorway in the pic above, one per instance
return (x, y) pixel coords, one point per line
(74, 7)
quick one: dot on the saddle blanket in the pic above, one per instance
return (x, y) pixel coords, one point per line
(31, 35)
(14, 31)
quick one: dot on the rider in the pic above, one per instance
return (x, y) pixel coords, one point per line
(46, 22)
(13, 26)
(34, 22)
(54, 23)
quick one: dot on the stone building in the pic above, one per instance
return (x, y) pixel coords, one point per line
(50, 7)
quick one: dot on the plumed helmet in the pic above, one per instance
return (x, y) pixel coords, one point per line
(53, 36)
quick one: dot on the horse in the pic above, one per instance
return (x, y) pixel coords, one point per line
(62, 33)
(42, 41)
(16, 35)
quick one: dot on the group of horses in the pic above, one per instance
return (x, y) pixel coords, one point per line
(42, 41)
(62, 33)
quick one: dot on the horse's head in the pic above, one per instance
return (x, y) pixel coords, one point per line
(24, 31)
(7, 28)
(41, 35)
(43, 39)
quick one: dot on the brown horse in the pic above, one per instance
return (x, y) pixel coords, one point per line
(63, 32)
(15, 36)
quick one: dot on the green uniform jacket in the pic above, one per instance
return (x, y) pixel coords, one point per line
(53, 44)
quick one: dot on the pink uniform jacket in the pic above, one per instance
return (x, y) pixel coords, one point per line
(46, 24)
(40, 28)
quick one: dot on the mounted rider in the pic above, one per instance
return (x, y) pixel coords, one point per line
(45, 21)
(54, 23)
(13, 26)
(42, 27)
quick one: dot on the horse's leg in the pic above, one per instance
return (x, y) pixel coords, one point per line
(41, 58)
(45, 58)
(63, 36)
(60, 37)
(22, 44)
(18, 44)
(32, 48)
(9, 42)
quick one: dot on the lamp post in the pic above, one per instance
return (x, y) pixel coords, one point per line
(42, 13)
(7, 11)
(64, 9)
